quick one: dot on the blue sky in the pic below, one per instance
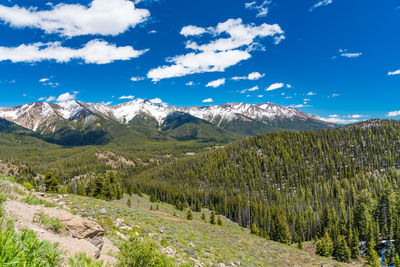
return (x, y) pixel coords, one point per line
(337, 59)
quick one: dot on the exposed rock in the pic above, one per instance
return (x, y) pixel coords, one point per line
(103, 211)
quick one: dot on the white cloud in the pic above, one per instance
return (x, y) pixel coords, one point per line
(255, 88)
(217, 54)
(288, 86)
(101, 17)
(321, 3)
(252, 76)
(216, 83)
(391, 73)
(208, 100)
(393, 113)
(260, 96)
(66, 97)
(190, 83)
(94, 52)
(136, 79)
(337, 120)
(300, 106)
(192, 31)
(106, 103)
(334, 95)
(47, 99)
(126, 97)
(157, 101)
(345, 53)
(275, 86)
(311, 93)
(262, 9)
(334, 116)
(48, 82)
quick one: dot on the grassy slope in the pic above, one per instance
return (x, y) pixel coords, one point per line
(196, 239)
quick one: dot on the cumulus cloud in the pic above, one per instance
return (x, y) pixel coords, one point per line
(311, 93)
(66, 97)
(48, 82)
(396, 72)
(252, 76)
(47, 99)
(190, 83)
(252, 89)
(126, 97)
(216, 83)
(217, 54)
(275, 86)
(208, 100)
(393, 113)
(157, 101)
(136, 79)
(321, 3)
(94, 52)
(192, 31)
(261, 9)
(101, 17)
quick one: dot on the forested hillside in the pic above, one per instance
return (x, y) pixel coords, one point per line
(340, 184)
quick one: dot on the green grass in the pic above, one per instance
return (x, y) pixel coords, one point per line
(53, 224)
(81, 260)
(198, 239)
(34, 200)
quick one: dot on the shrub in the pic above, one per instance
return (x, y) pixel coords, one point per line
(34, 200)
(28, 186)
(54, 224)
(82, 259)
(3, 198)
(25, 249)
(135, 252)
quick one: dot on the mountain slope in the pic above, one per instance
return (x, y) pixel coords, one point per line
(292, 186)
(78, 123)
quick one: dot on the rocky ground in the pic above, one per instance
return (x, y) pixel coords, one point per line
(79, 235)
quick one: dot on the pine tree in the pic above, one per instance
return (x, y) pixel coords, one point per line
(354, 244)
(371, 256)
(212, 218)
(342, 251)
(189, 214)
(325, 246)
(396, 260)
(203, 216)
(219, 221)
(300, 245)
(254, 229)
(129, 203)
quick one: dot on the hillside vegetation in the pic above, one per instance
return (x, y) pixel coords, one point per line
(340, 184)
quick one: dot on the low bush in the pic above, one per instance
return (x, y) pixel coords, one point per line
(82, 260)
(137, 252)
(54, 224)
(34, 200)
(25, 249)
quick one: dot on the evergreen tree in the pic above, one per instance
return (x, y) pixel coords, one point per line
(203, 216)
(254, 229)
(354, 244)
(342, 251)
(325, 246)
(189, 214)
(129, 203)
(371, 256)
(396, 260)
(219, 221)
(212, 218)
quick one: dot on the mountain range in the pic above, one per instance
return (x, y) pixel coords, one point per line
(78, 123)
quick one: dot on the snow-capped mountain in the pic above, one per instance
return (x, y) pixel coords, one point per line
(44, 116)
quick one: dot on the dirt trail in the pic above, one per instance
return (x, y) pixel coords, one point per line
(94, 246)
